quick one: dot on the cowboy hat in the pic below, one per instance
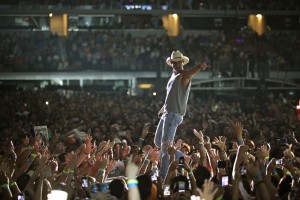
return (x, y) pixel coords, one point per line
(177, 56)
(186, 146)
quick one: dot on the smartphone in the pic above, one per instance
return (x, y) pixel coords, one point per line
(85, 182)
(279, 162)
(221, 164)
(166, 190)
(104, 187)
(225, 180)
(181, 160)
(243, 170)
(94, 188)
(154, 177)
(21, 197)
(181, 186)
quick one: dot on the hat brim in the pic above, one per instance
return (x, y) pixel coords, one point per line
(184, 59)
(188, 148)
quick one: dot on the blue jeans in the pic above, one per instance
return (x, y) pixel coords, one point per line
(165, 132)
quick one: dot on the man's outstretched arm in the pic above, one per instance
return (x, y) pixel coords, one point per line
(189, 73)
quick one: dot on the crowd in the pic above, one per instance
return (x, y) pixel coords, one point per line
(171, 4)
(239, 53)
(101, 147)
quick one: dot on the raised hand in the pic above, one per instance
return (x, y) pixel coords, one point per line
(178, 144)
(207, 143)
(102, 148)
(203, 66)
(126, 151)
(253, 170)
(110, 165)
(221, 143)
(88, 138)
(199, 135)
(153, 156)
(131, 169)
(101, 162)
(146, 149)
(88, 146)
(238, 128)
(171, 149)
(208, 193)
(37, 144)
(215, 155)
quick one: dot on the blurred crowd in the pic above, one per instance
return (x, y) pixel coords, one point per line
(101, 147)
(241, 53)
(170, 4)
(94, 146)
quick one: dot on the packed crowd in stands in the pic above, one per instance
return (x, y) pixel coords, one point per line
(171, 4)
(230, 54)
(101, 147)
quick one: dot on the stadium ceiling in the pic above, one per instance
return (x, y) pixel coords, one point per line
(186, 13)
(86, 17)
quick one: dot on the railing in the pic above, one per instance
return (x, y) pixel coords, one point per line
(243, 83)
